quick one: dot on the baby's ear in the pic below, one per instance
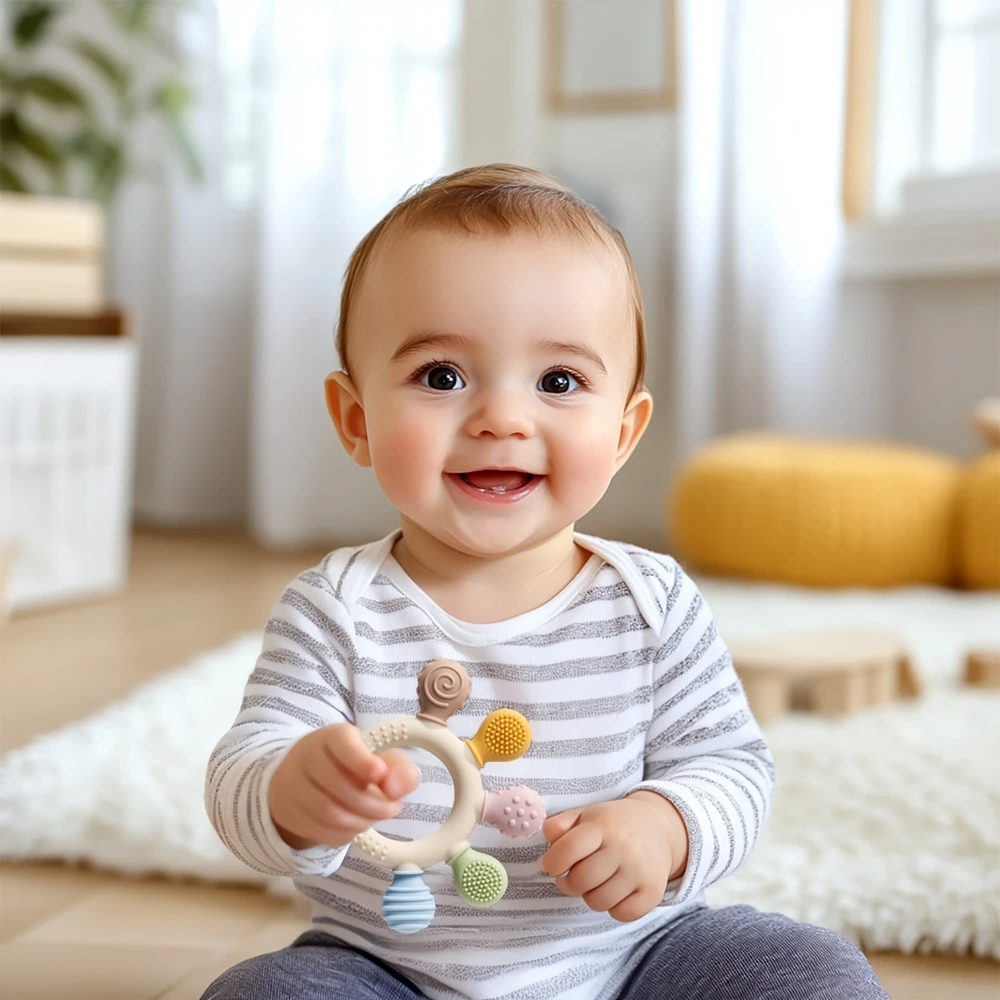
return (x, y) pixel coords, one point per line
(344, 404)
(635, 420)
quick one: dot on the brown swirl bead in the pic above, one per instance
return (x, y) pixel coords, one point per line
(443, 687)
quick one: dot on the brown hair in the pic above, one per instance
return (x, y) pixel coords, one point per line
(497, 198)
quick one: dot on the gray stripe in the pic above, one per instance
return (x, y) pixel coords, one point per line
(726, 793)
(323, 622)
(591, 785)
(676, 637)
(610, 593)
(621, 625)
(572, 669)
(389, 607)
(681, 667)
(730, 724)
(350, 562)
(369, 706)
(295, 685)
(319, 581)
(676, 586)
(671, 733)
(707, 675)
(274, 704)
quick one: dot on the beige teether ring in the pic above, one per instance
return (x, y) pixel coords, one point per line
(443, 687)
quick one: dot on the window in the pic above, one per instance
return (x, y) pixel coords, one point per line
(960, 132)
(937, 118)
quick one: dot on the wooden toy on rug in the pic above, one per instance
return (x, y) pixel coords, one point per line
(982, 668)
(986, 420)
(443, 688)
(978, 517)
(840, 671)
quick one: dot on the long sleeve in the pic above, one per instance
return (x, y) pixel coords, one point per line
(300, 683)
(704, 750)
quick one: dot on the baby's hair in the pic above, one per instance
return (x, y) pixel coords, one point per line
(498, 198)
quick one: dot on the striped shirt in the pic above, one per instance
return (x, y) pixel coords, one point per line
(626, 683)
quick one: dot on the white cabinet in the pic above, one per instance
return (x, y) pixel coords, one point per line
(67, 416)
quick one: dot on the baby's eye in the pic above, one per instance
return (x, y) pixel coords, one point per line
(442, 377)
(558, 382)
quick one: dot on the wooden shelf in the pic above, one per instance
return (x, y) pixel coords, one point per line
(106, 323)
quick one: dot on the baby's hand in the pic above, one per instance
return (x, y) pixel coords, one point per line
(330, 787)
(617, 855)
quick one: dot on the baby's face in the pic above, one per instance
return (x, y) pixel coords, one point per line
(493, 374)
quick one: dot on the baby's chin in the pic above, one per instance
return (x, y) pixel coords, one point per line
(484, 541)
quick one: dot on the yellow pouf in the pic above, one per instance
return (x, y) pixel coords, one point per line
(979, 522)
(817, 513)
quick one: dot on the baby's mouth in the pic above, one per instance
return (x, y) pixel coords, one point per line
(497, 481)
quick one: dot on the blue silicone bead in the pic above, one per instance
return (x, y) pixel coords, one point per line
(408, 905)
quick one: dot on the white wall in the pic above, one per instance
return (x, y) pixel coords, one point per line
(944, 356)
(912, 358)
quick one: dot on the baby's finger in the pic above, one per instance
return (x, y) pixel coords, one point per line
(632, 907)
(588, 874)
(368, 803)
(402, 777)
(582, 841)
(612, 892)
(312, 821)
(346, 747)
(560, 824)
(333, 820)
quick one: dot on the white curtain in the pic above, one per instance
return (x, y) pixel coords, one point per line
(759, 220)
(314, 117)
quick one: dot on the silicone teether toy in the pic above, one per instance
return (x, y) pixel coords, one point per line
(442, 689)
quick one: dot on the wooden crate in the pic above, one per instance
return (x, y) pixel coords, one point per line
(51, 255)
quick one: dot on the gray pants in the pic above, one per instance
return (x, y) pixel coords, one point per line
(735, 953)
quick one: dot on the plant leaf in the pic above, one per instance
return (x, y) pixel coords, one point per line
(31, 21)
(9, 82)
(117, 73)
(135, 16)
(15, 132)
(104, 159)
(54, 91)
(41, 147)
(11, 180)
(182, 138)
(171, 98)
(9, 123)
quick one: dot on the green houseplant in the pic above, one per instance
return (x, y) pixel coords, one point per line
(69, 104)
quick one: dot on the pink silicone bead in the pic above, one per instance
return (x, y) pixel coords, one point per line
(498, 806)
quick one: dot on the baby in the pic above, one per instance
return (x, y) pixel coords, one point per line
(492, 342)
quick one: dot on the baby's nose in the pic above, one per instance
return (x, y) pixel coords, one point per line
(501, 415)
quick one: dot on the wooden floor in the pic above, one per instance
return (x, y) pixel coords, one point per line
(76, 934)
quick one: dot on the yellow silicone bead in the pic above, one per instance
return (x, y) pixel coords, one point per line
(503, 735)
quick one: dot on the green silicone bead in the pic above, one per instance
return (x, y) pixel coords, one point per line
(482, 884)
(479, 879)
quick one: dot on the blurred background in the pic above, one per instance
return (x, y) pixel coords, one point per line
(811, 193)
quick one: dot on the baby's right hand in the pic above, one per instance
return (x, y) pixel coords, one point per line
(330, 787)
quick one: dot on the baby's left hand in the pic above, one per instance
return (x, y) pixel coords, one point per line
(617, 855)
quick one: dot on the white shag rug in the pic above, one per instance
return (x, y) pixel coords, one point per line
(885, 826)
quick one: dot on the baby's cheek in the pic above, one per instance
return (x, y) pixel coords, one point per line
(585, 463)
(403, 456)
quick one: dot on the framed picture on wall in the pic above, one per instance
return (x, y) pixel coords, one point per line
(611, 55)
